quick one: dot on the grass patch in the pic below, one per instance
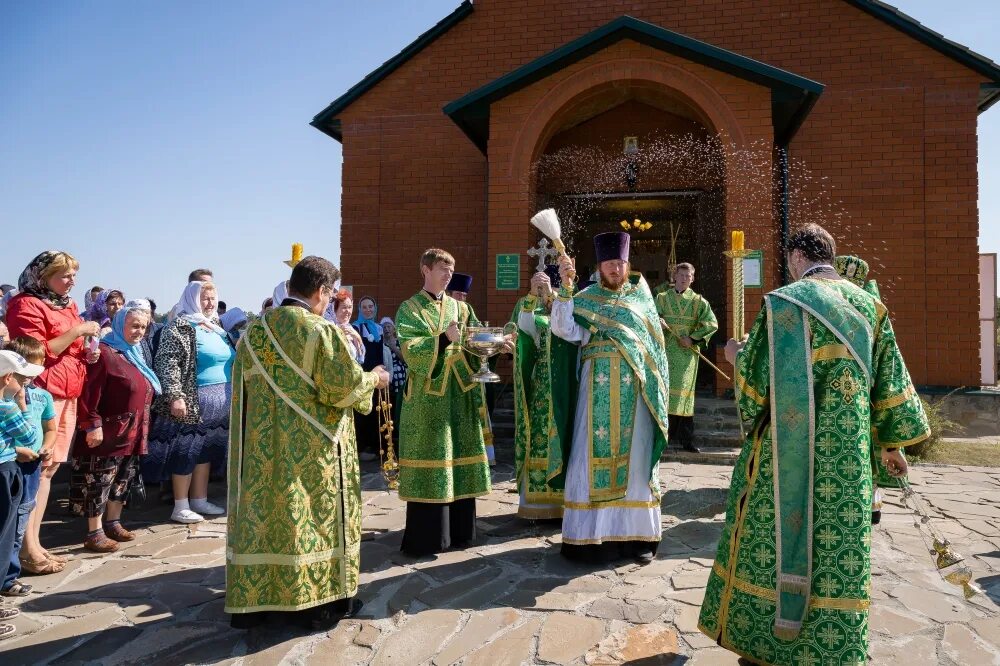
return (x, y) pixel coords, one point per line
(961, 452)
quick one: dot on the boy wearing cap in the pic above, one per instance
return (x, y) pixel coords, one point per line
(15, 430)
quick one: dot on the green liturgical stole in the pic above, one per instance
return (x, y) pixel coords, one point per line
(793, 428)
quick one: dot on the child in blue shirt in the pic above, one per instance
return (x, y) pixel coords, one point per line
(15, 431)
(29, 459)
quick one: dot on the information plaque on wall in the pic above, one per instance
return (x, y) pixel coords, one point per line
(508, 272)
(753, 270)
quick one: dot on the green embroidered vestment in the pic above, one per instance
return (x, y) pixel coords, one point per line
(442, 449)
(687, 314)
(294, 484)
(544, 402)
(855, 385)
(628, 364)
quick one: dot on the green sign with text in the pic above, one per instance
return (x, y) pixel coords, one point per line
(508, 272)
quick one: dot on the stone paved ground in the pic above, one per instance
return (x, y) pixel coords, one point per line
(510, 600)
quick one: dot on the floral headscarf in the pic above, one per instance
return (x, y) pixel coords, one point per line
(98, 310)
(32, 283)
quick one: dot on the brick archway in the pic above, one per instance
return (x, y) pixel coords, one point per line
(542, 120)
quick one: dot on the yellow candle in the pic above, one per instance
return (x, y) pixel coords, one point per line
(737, 241)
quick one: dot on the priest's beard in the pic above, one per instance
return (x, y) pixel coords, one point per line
(613, 283)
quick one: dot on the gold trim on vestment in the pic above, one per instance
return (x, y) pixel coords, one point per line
(830, 353)
(237, 610)
(822, 603)
(748, 390)
(442, 464)
(653, 328)
(283, 559)
(449, 500)
(900, 445)
(612, 504)
(609, 539)
(896, 400)
(681, 392)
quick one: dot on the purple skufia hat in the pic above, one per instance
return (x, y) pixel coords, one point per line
(553, 272)
(460, 282)
(611, 245)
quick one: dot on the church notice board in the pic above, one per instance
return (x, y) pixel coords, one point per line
(508, 272)
(753, 270)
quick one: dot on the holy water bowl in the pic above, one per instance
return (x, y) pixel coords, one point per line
(486, 341)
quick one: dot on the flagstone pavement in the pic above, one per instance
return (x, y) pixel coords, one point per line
(511, 599)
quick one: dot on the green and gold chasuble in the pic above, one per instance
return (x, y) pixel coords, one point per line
(544, 405)
(687, 314)
(442, 450)
(820, 375)
(628, 364)
(294, 483)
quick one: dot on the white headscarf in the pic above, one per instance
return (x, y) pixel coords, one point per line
(189, 307)
(280, 293)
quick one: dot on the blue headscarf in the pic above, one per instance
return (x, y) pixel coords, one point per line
(132, 353)
(364, 324)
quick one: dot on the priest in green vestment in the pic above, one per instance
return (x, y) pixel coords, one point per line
(612, 493)
(819, 375)
(690, 324)
(442, 450)
(544, 402)
(294, 529)
(856, 269)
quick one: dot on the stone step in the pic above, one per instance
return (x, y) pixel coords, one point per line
(707, 456)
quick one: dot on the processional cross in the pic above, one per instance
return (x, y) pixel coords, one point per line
(542, 253)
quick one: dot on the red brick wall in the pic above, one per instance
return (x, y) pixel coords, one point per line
(892, 137)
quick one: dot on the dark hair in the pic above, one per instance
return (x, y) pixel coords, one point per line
(29, 348)
(96, 289)
(221, 307)
(310, 274)
(197, 274)
(4, 288)
(152, 305)
(814, 242)
(432, 256)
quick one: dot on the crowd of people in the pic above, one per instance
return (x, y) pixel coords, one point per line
(604, 376)
(127, 400)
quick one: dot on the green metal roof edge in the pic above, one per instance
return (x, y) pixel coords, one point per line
(322, 120)
(629, 27)
(914, 28)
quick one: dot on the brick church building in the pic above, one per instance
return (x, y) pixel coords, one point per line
(442, 146)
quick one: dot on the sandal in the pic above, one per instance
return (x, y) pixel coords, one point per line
(9, 613)
(18, 589)
(100, 544)
(61, 559)
(42, 567)
(6, 631)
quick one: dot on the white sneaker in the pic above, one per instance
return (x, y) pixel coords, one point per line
(186, 516)
(206, 508)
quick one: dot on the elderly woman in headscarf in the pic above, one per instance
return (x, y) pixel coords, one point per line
(366, 425)
(194, 364)
(113, 420)
(104, 308)
(44, 310)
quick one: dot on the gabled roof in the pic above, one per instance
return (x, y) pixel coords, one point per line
(989, 92)
(326, 120)
(792, 96)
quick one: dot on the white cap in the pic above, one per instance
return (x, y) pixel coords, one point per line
(13, 362)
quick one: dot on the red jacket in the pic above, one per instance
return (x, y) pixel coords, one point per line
(64, 374)
(116, 398)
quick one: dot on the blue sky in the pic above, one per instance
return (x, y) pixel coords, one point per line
(150, 138)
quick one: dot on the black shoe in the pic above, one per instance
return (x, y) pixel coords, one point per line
(327, 617)
(645, 557)
(690, 447)
(245, 620)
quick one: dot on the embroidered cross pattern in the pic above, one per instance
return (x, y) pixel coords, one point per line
(847, 386)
